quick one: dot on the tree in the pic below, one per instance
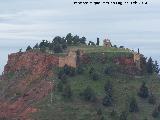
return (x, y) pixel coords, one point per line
(92, 70)
(156, 67)
(115, 46)
(133, 106)
(97, 42)
(150, 66)
(99, 112)
(67, 92)
(108, 70)
(143, 63)
(91, 43)
(108, 88)
(58, 40)
(28, 48)
(36, 46)
(60, 86)
(69, 38)
(95, 76)
(143, 92)
(152, 99)
(114, 115)
(76, 40)
(83, 40)
(121, 47)
(57, 48)
(158, 108)
(88, 94)
(20, 50)
(107, 101)
(155, 113)
(80, 70)
(123, 116)
(62, 76)
(43, 49)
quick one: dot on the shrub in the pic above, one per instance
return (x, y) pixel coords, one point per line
(99, 111)
(143, 92)
(67, 92)
(92, 70)
(158, 108)
(107, 101)
(62, 76)
(28, 48)
(108, 88)
(95, 76)
(123, 116)
(114, 114)
(152, 99)
(80, 70)
(88, 94)
(60, 86)
(155, 113)
(133, 106)
(108, 70)
(69, 70)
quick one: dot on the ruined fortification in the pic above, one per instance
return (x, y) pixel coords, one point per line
(69, 60)
(107, 43)
(136, 58)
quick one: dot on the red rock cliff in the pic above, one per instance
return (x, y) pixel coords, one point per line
(28, 85)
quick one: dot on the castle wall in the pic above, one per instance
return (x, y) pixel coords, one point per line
(69, 60)
(137, 60)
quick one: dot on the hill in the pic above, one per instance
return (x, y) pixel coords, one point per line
(56, 81)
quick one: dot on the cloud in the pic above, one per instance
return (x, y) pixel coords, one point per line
(24, 22)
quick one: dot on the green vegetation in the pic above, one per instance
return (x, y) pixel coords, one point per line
(87, 95)
(99, 88)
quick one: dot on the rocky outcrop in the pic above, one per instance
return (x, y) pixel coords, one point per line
(38, 63)
(26, 75)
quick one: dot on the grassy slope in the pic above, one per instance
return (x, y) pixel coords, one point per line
(77, 109)
(91, 49)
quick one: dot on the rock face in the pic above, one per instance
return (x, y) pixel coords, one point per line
(37, 62)
(26, 74)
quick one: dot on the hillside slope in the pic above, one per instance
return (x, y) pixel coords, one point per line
(34, 87)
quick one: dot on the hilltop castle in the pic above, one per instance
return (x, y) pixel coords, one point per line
(107, 43)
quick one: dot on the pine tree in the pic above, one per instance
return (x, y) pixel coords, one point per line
(150, 66)
(60, 86)
(123, 116)
(99, 111)
(108, 88)
(143, 92)
(152, 99)
(88, 94)
(69, 39)
(36, 46)
(156, 67)
(67, 92)
(155, 113)
(133, 106)
(107, 101)
(28, 48)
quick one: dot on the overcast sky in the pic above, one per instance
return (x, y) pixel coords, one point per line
(26, 22)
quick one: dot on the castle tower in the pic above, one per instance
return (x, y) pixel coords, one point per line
(107, 43)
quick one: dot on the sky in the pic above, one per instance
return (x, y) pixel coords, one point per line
(27, 22)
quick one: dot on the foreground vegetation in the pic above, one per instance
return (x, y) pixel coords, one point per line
(70, 102)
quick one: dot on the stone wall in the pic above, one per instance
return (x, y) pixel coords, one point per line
(136, 58)
(69, 60)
